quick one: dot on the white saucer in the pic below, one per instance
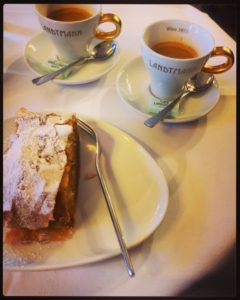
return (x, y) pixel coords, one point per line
(40, 49)
(133, 87)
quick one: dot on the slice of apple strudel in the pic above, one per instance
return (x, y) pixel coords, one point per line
(40, 168)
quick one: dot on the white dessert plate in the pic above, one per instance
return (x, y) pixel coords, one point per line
(40, 49)
(133, 87)
(139, 193)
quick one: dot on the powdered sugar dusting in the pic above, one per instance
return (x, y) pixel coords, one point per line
(12, 174)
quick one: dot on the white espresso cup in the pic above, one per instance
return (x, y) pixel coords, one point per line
(174, 51)
(72, 27)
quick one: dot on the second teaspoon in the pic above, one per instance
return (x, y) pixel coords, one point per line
(199, 83)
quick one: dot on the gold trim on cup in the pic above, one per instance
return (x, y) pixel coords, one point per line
(220, 51)
(112, 18)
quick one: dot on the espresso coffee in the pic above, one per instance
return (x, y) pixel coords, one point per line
(175, 50)
(69, 14)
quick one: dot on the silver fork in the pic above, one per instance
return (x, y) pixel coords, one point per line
(87, 128)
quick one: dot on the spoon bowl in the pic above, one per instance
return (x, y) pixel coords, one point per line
(100, 52)
(198, 83)
(103, 50)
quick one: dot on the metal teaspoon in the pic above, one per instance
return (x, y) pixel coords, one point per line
(101, 51)
(199, 83)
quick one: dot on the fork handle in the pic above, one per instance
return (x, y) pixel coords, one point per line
(116, 225)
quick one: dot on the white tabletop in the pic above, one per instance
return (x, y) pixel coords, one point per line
(197, 158)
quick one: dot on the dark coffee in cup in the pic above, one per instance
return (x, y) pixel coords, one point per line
(69, 14)
(175, 49)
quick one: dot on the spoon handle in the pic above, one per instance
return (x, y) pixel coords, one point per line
(152, 121)
(49, 76)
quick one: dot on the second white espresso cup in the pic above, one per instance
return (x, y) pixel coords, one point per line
(72, 38)
(169, 74)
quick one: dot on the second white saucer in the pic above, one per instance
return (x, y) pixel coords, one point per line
(40, 49)
(133, 87)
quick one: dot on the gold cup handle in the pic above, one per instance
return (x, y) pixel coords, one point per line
(220, 51)
(112, 18)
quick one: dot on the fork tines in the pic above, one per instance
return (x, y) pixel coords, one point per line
(86, 127)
